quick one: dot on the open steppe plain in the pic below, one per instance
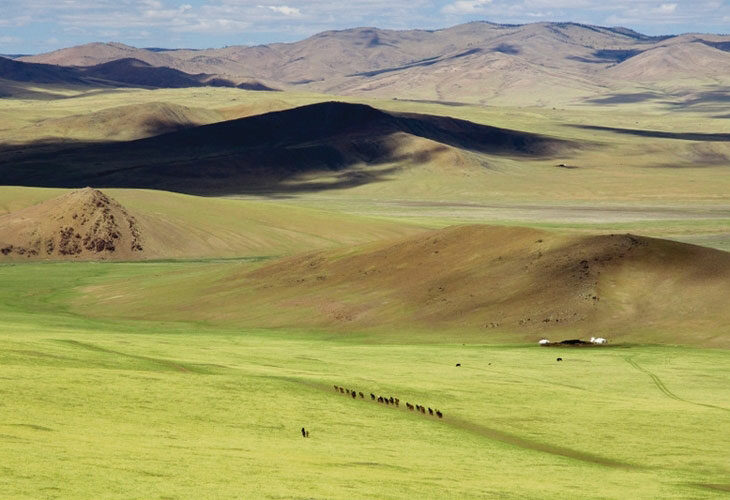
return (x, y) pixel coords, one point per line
(159, 397)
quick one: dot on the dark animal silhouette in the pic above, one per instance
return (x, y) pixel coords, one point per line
(336, 388)
(423, 410)
(397, 401)
(342, 391)
(362, 396)
(392, 401)
(354, 395)
(409, 406)
(430, 411)
(372, 396)
(458, 364)
(560, 359)
(439, 414)
(380, 399)
(304, 433)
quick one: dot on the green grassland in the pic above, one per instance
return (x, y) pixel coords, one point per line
(123, 409)
(172, 405)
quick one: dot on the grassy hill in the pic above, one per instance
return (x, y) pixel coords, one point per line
(478, 282)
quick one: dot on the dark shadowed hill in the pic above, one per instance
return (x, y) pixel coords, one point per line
(266, 152)
(39, 73)
(116, 73)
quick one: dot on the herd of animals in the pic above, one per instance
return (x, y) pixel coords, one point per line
(396, 402)
(389, 401)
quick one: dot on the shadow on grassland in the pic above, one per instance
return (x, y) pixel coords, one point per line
(323, 146)
(684, 136)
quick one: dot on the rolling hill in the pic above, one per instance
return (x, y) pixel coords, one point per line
(474, 281)
(274, 152)
(475, 62)
(42, 224)
(119, 123)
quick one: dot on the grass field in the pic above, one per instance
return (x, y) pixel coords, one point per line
(122, 409)
(125, 380)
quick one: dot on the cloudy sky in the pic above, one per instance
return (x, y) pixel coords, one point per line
(31, 26)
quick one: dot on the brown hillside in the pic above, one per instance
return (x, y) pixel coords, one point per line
(84, 224)
(688, 60)
(500, 279)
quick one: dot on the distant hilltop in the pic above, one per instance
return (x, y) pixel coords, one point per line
(530, 63)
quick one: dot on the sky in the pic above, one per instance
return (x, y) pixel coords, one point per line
(33, 26)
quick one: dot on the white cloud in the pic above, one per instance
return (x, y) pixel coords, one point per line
(220, 22)
(7, 40)
(666, 8)
(286, 10)
(466, 6)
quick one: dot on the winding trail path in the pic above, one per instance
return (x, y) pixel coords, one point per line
(663, 388)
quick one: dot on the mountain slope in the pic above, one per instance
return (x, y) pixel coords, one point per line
(477, 62)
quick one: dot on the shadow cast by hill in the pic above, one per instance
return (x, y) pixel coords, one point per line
(684, 136)
(285, 151)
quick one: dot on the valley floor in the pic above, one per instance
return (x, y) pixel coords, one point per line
(120, 409)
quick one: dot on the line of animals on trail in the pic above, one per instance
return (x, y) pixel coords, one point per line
(389, 401)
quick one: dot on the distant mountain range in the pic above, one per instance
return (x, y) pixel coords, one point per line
(474, 62)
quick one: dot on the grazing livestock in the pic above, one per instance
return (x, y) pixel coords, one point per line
(304, 433)
(342, 391)
(362, 396)
(423, 410)
(544, 342)
(430, 411)
(392, 401)
(598, 340)
(458, 364)
(354, 395)
(336, 388)
(409, 406)
(439, 414)
(372, 396)
(380, 399)
(560, 359)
